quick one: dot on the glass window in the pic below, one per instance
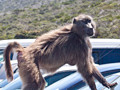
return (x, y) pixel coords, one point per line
(1, 55)
(96, 57)
(53, 78)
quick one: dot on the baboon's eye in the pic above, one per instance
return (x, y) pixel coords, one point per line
(85, 21)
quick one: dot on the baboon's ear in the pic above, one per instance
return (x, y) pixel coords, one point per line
(74, 20)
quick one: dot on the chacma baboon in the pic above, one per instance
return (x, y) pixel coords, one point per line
(50, 51)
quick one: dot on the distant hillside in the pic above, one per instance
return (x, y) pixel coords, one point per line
(9, 5)
(31, 22)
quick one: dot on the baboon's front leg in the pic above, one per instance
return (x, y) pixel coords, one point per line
(87, 75)
(101, 79)
(90, 81)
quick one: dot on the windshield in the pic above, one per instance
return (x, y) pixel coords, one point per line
(1, 55)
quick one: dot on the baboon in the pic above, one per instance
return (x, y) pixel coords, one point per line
(69, 44)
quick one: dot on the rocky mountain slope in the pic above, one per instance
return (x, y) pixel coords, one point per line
(33, 20)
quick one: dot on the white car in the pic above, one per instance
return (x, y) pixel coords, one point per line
(3, 45)
(103, 51)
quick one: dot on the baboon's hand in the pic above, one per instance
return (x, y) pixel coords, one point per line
(113, 85)
(108, 85)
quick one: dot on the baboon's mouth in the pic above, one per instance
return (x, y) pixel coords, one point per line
(90, 34)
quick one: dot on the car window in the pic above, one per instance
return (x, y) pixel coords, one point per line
(1, 55)
(95, 55)
(53, 78)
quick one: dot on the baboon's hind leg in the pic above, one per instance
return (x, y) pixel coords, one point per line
(35, 85)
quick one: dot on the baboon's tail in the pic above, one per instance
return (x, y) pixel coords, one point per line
(17, 47)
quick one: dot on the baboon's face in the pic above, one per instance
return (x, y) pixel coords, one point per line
(85, 25)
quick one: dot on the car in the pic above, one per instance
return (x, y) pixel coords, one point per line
(13, 56)
(75, 80)
(68, 79)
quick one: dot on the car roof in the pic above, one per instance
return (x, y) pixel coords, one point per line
(96, 43)
(12, 62)
(23, 42)
(105, 43)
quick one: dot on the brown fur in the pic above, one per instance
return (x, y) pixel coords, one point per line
(50, 51)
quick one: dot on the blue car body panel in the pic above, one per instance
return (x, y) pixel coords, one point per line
(5, 82)
(70, 80)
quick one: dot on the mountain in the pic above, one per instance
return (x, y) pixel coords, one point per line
(9, 5)
(39, 16)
